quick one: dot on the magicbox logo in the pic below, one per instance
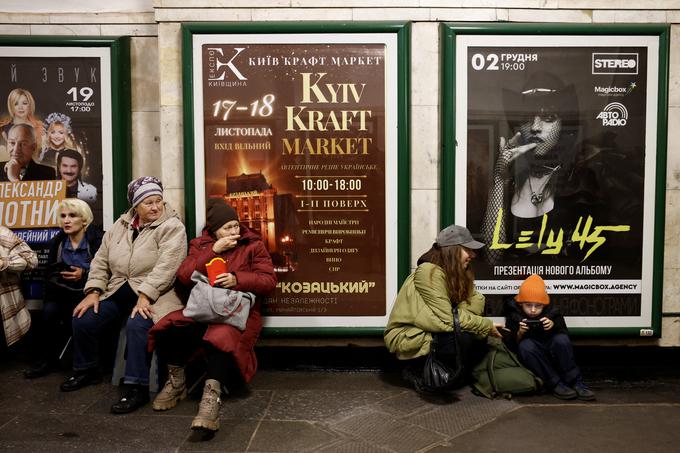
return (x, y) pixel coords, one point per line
(218, 63)
(613, 114)
(615, 63)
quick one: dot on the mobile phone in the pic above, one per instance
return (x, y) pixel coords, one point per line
(534, 324)
(61, 267)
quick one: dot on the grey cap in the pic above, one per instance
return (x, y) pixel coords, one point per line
(457, 235)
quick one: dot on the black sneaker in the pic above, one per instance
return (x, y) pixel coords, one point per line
(81, 379)
(563, 392)
(134, 397)
(38, 371)
(583, 392)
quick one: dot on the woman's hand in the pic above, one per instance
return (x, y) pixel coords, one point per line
(494, 330)
(225, 243)
(509, 151)
(91, 300)
(226, 280)
(143, 307)
(547, 323)
(73, 275)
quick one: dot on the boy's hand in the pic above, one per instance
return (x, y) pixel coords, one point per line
(547, 323)
(523, 327)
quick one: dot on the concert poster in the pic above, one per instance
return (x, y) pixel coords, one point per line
(64, 95)
(556, 170)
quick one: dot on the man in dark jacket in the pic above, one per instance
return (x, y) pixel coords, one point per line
(20, 166)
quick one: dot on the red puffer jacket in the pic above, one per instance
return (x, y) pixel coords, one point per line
(254, 270)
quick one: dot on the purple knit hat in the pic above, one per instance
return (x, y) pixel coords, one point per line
(143, 187)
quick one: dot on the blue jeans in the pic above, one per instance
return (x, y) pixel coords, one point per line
(113, 310)
(551, 359)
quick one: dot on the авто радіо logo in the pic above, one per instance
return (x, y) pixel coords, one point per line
(613, 114)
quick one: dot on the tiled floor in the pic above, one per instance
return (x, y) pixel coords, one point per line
(293, 411)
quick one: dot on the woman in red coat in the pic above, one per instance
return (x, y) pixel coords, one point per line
(230, 352)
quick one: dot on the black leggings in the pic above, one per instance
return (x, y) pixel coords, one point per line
(177, 344)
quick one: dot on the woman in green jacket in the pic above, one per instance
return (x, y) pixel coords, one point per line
(424, 306)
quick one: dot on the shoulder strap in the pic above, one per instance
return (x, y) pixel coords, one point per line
(490, 371)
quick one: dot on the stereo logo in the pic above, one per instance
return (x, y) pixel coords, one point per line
(613, 114)
(218, 64)
(615, 63)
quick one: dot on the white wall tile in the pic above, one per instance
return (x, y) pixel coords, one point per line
(24, 18)
(74, 30)
(222, 3)
(300, 14)
(101, 18)
(674, 68)
(425, 145)
(129, 30)
(170, 63)
(424, 221)
(509, 3)
(425, 62)
(550, 15)
(145, 77)
(175, 197)
(672, 230)
(172, 136)
(631, 16)
(355, 3)
(206, 14)
(6, 29)
(146, 144)
(673, 156)
(463, 14)
(671, 290)
(391, 14)
(618, 4)
(670, 332)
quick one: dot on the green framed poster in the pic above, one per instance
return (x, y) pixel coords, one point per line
(555, 156)
(72, 98)
(302, 128)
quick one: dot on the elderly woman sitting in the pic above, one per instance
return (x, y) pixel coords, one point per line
(229, 351)
(131, 277)
(15, 257)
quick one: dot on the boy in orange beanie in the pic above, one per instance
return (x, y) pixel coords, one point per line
(539, 335)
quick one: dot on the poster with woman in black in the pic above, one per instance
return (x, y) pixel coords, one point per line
(560, 157)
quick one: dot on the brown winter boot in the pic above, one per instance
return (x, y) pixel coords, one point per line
(173, 392)
(209, 409)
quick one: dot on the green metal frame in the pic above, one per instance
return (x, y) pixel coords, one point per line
(121, 116)
(448, 33)
(403, 32)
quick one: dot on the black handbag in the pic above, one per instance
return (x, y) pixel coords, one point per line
(439, 374)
